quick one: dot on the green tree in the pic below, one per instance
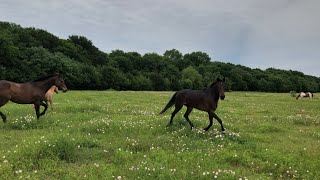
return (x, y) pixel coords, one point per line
(141, 82)
(29, 53)
(237, 77)
(113, 78)
(173, 55)
(159, 83)
(190, 74)
(197, 58)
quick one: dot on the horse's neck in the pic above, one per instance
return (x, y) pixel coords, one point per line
(212, 91)
(45, 85)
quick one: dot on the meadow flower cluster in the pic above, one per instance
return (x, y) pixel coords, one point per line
(101, 125)
(215, 174)
(267, 136)
(23, 122)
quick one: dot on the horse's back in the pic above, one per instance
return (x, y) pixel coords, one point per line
(4, 83)
(4, 87)
(301, 95)
(194, 98)
(21, 93)
(189, 93)
(309, 94)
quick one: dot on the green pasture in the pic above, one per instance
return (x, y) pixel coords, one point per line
(119, 135)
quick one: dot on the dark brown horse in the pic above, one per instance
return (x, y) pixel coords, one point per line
(204, 100)
(32, 92)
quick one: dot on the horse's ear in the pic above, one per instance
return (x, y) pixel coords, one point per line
(224, 79)
(218, 79)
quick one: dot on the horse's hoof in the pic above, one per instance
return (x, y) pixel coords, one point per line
(205, 129)
(223, 132)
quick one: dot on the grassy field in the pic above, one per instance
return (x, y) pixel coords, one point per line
(118, 135)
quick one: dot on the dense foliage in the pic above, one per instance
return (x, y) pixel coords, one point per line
(29, 53)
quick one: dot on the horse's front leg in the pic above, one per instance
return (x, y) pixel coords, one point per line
(219, 120)
(45, 107)
(37, 108)
(210, 121)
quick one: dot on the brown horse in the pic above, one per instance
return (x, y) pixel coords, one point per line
(204, 100)
(32, 92)
(49, 96)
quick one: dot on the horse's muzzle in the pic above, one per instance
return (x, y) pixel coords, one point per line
(222, 97)
(64, 90)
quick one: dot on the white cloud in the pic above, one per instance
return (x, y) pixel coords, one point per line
(281, 34)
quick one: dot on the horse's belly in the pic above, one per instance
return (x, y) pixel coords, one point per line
(22, 98)
(21, 101)
(205, 108)
(200, 104)
(201, 108)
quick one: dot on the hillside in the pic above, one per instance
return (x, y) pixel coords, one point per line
(29, 53)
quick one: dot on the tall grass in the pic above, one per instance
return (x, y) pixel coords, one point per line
(119, 135)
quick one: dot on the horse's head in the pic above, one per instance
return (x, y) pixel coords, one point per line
(59, 82)
(220, 86)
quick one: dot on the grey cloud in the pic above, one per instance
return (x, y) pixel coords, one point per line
(255, 33)
(287, 38)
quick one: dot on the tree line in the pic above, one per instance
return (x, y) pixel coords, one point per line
(29, 53)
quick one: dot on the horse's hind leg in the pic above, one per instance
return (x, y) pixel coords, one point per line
(219, 120)
(176, 110)
(37, 108)
(3, 102)
(211, 121)
(186, 116)
(45, 108)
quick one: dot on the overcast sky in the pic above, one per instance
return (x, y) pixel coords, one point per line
(283, 34)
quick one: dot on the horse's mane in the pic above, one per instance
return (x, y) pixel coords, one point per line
(214, 83)
(208, 87)
(46, 77)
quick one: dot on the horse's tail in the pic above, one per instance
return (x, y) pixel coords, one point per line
(170, 104)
